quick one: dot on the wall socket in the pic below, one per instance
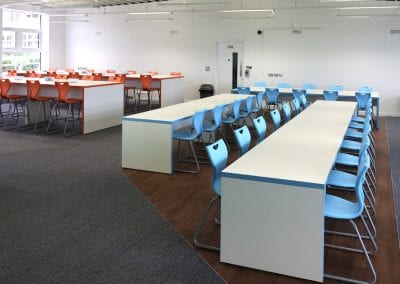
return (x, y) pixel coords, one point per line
(274, 75)
(208, 68)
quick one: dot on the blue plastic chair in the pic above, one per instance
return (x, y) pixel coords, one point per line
(303, 101)
(260, 84)
(336, 88)
(245, 111)
(284, 85)
(261, 128)
(272, 95)
(243, 90)
(243, 139)
(214, 125)
(342, 209)
(296, 106)
(276, 119)
(192, 134)
(309, 86)
(231, 117)
(218, 156)
(360, 119)
(298, 92)
(365, 89)
(362, 100)
(331, 95)
(287, 112)
(259, 107)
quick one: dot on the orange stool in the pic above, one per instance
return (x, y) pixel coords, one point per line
(62, 98)
(14, 101)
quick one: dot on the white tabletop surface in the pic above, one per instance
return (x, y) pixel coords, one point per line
(75, 83)
(187, 109)
(302, 150)
(344, 93)
(156, 77)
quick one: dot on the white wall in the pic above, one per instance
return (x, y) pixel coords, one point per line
(56, 58)
(346, 51)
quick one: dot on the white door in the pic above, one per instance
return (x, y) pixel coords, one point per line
(229, 66)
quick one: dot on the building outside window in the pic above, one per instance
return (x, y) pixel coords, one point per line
(21, 40)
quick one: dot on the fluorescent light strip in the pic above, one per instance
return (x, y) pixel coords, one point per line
(368, 7)
(245, 11)
(325, 1)
(192, 3)
(150, 13)
(151, 20)
(68, 15)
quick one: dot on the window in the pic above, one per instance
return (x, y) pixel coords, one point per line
(8, 39)
(21, 40)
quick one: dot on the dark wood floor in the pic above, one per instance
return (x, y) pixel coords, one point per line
(182, 198)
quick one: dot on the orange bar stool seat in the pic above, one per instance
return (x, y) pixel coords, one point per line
(16, 105)
(33, 88)
(74, 75)
(62, 98)
(62, 76)
(98, 76)
(88, 77)
(175, 74)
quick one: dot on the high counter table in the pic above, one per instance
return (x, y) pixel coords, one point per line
(315, 94)
(102, 101)
(272, 202)
(147, 142)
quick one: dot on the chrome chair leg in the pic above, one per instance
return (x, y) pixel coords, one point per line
(201, 224)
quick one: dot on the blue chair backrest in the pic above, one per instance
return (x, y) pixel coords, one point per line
(362, 170)
(298, 92)
(365, 89)
(286, 112)
(336, 88)
(243, 90)
(284, 85)
(248, 104)
(218, 156)
(217, 115)
(303, 101)
(261, 128)
(260, 84)
(309, 86)
(276, 118)
(296, 105)
(331, 95)
(259, 99)
(243, 139)
(272, 94)
(198, 118)
(362, 100)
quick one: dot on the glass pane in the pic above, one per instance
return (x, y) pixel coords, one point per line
(21, 61)
(23, 20)
(8, 39)
(30, 40)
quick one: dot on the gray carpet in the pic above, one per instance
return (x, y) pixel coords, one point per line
(69, 214)
(393, 135)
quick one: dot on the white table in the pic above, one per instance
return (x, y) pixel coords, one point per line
(318, 93)
(272, 203)
(147, 142)
(103, 101)
(171, 87)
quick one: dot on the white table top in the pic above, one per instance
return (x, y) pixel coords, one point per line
(155, 77)
(313, 91)
(184, 110)
(301, 151)
(75, 83)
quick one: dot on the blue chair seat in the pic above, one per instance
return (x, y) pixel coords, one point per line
(341, 179)
(358, 119)
(347, 159)
(209, 126)
(184, 135)
(228, 119)
(339, 208)
(351, 145)
(354, 134)
(356, 125)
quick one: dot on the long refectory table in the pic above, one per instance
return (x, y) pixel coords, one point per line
(147, 142)
(103, 101)
(316, 94)
(272, 206)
